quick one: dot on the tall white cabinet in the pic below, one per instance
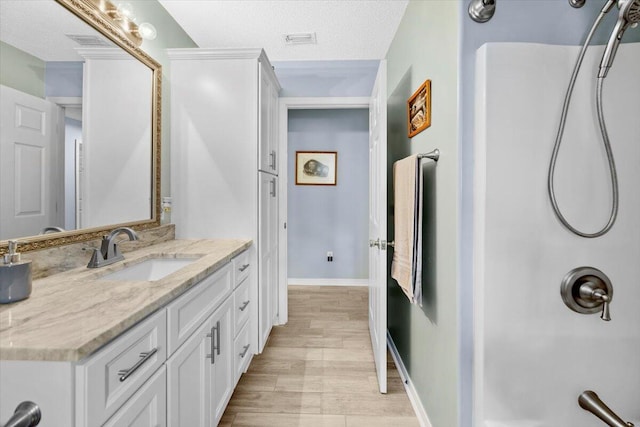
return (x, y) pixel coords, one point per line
(224, 160)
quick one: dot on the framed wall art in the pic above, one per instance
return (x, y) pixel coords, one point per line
(419, 109)
(316, 167)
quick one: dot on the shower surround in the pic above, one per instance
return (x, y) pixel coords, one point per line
(533, 356)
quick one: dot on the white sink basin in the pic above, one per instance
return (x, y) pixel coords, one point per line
(150, 269)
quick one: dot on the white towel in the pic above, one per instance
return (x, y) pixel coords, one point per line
(406, 265)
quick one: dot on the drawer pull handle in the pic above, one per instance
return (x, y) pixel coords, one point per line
(126, 373)
(244, 352)
(244, 305)
(244, 267)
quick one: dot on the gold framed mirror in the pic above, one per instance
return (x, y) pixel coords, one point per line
(112, 190)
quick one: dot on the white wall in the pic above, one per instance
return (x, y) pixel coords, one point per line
(118, 150)
(533, 355)
(73, 132)
(426, 46)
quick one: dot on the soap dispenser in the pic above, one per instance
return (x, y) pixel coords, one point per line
(15, 276)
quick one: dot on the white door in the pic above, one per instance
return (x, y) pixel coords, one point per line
(188, 380)
(147, 407)
(378, 224)
(267, 254)
(222, 363)
(29, 168)
(265, 147)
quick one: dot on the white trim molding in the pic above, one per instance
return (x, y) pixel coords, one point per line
(418, 408)
(224, 53)
(300, 103)
(328, 282)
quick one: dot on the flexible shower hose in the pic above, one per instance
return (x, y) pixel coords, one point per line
(605, 138)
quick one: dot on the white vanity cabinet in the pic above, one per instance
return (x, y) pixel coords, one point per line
(148, 408)
(224, 112)
(243, 300)
(110, 377)
(177, 367)
(200, 373)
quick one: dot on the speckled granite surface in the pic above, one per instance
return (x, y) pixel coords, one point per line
(72, 314)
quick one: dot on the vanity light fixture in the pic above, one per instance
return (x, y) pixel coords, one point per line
(122, 15)
(300, 38)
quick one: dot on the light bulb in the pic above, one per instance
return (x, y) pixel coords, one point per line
(147, 31)
(125, 9)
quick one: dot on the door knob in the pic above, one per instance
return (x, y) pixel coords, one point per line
(381, 244)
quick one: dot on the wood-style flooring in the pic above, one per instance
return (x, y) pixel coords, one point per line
(318, 369)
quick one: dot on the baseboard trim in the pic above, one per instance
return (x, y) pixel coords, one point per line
(328, 282)
(418, 408)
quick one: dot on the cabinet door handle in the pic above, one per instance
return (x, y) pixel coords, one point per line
(273, 187)
(126, 373)
(244, 305)
(212, 335)
(243, 267)
(244, 352)
(217, 328)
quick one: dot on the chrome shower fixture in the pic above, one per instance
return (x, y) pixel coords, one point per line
(629, 16)
(587, 290)
(482, 10)
(577, 3)
(589, 401)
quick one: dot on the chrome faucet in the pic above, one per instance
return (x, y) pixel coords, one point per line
(27, 414)
(589, 401)
(109, 252)
(51, 230)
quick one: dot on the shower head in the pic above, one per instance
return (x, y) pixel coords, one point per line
(629, 16)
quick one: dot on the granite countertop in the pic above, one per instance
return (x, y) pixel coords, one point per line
(72, 314)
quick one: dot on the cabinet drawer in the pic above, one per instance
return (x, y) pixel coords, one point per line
(241, 267)
(147, 407)
(190, 310)
(111, 376)
(242, 352)
(242, 305)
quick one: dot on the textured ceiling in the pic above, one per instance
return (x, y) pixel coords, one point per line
(38, 27)
(345, 29)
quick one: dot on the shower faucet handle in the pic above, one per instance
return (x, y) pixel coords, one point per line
(587, 290)
(601, 295)
(591, 291)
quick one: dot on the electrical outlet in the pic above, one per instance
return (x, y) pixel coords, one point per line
(329, 256)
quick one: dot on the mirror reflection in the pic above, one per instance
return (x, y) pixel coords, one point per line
(76, 125)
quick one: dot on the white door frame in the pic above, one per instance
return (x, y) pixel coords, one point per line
(286, 104)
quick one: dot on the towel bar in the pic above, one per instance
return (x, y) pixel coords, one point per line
(433, 155)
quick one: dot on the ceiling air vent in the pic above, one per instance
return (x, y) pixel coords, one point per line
(88, 41)
(300, 38)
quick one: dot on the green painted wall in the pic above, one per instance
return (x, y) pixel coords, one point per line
(170, 35)
(426, 47)
(21, 71)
